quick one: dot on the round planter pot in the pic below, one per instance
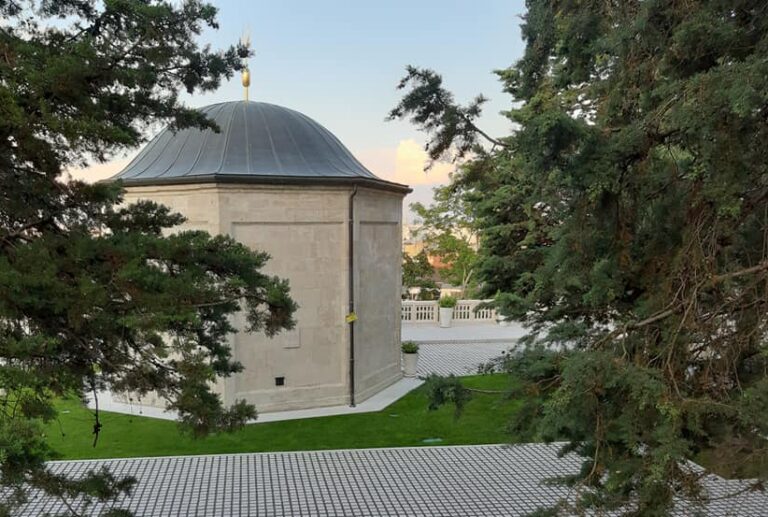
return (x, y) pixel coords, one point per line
(446, 315)
(410, 364)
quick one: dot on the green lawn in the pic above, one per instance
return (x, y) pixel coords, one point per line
(407, 422)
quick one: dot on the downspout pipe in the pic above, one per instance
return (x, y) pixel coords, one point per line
(351, 281)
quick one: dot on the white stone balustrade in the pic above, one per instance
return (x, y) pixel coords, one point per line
(466, 311)
(419, 312)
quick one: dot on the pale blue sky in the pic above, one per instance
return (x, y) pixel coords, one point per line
(339, 62)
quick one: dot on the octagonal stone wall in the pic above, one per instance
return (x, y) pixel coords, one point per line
(305, 229)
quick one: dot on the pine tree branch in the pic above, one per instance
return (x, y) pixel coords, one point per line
(19, 232)
(742, 272)
(486, 392)
(471, 124)
(653, 319)
(494, 141)
(716, 279)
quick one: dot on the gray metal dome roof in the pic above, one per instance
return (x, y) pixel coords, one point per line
(257, 143)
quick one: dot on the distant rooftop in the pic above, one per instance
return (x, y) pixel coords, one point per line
(480, 481)
(257, 143)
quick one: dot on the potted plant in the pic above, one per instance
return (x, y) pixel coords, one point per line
(446, 304)
(410, 358)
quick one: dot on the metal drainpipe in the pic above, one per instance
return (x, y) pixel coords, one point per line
(352, 296)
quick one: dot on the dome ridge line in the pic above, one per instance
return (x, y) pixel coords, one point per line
(140, 156)
(260, 111)
(178, 154)
(159, 137)
(246, 104)
(227, 136)
(293, 139)
(322, 131)
(208, 134)
(331, 138)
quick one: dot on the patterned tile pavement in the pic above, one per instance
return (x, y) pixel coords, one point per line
(462, 333)
(482, 481)
(457, 358)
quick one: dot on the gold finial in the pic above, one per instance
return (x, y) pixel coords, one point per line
(246, 81)
(245, 41)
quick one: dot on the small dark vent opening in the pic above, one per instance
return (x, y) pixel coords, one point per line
(279, 381)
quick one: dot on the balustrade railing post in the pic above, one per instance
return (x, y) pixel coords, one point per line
(418, 311)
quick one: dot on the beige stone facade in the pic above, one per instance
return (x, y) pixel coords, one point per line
(305, 229)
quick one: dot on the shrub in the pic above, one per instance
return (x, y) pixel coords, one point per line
(410, 347)
(428, 294)
(448, 302)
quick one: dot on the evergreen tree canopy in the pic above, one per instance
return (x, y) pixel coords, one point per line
(95, 293)
(627, 217)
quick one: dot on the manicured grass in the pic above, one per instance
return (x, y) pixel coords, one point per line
(407, 422)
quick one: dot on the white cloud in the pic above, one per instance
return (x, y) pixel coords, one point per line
(405, 164)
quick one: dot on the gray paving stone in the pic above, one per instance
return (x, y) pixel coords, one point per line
(457, 358)
(474, 481)
(462, 333)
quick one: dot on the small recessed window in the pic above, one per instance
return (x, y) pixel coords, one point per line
(279, 381)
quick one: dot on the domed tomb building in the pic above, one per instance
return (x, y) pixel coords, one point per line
(279, 182)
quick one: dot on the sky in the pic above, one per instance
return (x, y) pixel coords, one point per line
(339, 62)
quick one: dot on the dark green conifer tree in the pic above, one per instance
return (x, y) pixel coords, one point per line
(94, 293)
(627, 216)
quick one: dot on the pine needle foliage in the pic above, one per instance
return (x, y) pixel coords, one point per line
(626, 219)
(95, 293)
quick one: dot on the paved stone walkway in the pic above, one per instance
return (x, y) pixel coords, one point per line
(480, 481)
(457, 358)
(462, 333)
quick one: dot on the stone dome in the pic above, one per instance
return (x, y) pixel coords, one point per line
(258, 142)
